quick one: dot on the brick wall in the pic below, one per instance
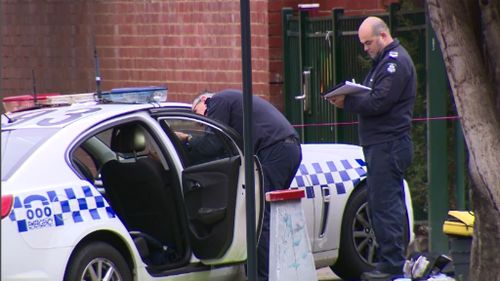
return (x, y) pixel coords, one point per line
(188, 45)
(43, 40)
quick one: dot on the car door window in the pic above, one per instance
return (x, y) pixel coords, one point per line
(85, 164)
(206, 142)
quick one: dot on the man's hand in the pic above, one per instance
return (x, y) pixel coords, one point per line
(183, 136)
(338, 101)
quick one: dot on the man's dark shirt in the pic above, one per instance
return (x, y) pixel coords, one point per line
(269, 126)
(385, 113)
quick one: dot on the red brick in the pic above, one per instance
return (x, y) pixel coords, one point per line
(144, 42)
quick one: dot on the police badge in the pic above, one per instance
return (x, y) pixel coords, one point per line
(391, 67)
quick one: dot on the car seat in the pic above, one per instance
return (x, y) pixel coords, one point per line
(136, 186)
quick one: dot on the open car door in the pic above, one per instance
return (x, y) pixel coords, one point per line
(210, 195)
(213, 187)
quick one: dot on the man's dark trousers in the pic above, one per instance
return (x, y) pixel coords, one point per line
(279, 164)
(386, 163)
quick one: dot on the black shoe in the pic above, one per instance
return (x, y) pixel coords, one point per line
(377, 275)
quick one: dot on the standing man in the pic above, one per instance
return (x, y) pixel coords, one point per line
(275, 142)
(384, 117)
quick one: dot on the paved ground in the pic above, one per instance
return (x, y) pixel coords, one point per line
(325, 274)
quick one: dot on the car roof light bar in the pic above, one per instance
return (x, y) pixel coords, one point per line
(71, 99)
(22, 102)
(135, 95)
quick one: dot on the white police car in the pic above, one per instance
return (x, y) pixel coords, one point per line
(106, 191)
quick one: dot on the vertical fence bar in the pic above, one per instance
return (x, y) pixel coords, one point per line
(437, 143)
(336, 38)
(286, 14)
(459, 167)
(393, 24)
(302, 55)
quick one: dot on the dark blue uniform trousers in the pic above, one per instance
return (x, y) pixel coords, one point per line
(279, 164)
(386, 163)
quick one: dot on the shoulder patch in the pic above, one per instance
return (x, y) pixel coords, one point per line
(393, 54)
(391, 67)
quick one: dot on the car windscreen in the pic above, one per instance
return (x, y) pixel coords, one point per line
(18, 145)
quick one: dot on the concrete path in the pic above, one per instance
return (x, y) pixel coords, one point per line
(326, 274)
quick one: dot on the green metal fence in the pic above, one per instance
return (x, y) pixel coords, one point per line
(329, 50)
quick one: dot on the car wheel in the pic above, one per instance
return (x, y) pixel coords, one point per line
(358, 246)
(97, 261)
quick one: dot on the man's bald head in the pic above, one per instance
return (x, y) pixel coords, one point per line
(374, 26)
(374, 34)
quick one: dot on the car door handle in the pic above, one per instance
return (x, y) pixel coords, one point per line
(209, 216)
(325, 192)
(194, 185)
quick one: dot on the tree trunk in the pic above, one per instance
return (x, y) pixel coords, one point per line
(473, 76)
(490, 10)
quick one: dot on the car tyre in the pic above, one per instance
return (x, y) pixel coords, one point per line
(357, 249)
(96, 260)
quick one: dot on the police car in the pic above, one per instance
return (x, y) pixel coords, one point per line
(98, 187)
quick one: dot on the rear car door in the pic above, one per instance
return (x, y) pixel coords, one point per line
(212, 185)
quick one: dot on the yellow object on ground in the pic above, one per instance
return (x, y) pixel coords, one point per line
(460, 223)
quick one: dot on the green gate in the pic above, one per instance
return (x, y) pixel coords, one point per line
(320, 52)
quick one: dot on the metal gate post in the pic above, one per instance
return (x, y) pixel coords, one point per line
(303, 52)
(339, 117)
(437, 94)
(286, 14)
(393, 23)
(460, 167)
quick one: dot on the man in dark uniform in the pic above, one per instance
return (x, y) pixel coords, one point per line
(275, 142)
(384, 117)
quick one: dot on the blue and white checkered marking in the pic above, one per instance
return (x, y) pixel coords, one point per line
(340, 173)
(74, 205)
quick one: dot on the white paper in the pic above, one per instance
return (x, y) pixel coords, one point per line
(346, 88)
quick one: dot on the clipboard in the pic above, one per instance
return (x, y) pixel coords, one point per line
(345, 88)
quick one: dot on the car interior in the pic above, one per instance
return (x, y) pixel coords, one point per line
(140, 190)
(167, 219)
